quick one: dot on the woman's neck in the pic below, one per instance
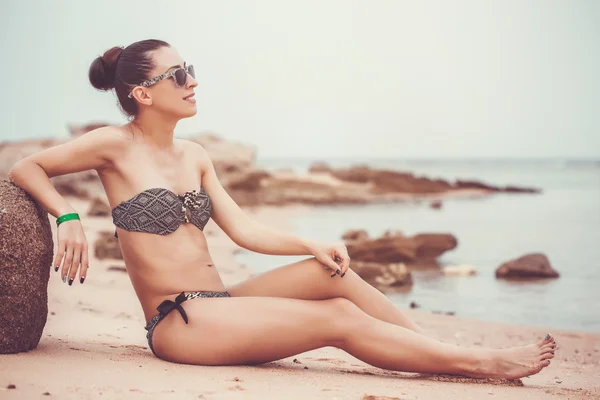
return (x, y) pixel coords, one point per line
(155, 131)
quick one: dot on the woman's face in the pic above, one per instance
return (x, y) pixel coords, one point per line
(165, 96)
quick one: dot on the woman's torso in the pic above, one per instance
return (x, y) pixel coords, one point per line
(160, 266)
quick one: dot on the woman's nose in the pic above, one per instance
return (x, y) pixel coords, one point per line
(191, 81)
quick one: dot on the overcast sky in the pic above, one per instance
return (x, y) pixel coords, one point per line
(324, 78)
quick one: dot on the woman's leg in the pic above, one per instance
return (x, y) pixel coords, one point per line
(254, 330)
(309, 280)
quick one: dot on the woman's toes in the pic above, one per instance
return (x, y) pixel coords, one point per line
(546, 351)
(545, 363)
(546, 356)
(546, 340)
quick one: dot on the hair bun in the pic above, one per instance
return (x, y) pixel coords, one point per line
(103, 69)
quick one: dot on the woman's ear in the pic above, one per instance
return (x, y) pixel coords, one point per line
(142, 96)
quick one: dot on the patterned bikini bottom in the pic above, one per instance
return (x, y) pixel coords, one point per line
(167, 306)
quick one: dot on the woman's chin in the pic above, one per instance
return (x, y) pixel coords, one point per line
(190, 112)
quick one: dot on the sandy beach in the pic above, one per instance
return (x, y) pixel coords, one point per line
(94, 346)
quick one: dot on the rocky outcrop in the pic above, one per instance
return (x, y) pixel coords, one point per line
(355, 236)
(383, 262)
(534, 265)
(26, 255)
(422, 249)
(281, 190)
(385, 181)
(107, 246)
(388, 181)
(383, 276)
(248, 185)
(250, 180)
(479, 185)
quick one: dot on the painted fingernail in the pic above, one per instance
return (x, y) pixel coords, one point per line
(64, 279)
(337, 271)
(332, 275)
(82, 279)
(56, 268)
(547, 337)
(70, 281)
(343, 274)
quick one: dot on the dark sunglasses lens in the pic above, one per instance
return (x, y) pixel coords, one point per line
(180, 77)
(191, 71)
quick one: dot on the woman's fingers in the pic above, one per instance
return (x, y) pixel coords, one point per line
(344, 263)
(75, 263)
(84, 264)
(60, 253)
(68, 260)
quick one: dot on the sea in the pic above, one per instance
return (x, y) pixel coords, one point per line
(562, 222)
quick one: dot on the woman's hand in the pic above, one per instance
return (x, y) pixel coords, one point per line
(73, 247)
(334, 256)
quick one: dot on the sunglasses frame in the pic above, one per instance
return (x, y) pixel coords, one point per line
(166, 75)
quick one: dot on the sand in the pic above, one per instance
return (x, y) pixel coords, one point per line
(94, 346)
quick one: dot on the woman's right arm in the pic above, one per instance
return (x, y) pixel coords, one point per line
(93, 150)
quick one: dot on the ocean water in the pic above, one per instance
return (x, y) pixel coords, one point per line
(563, 223)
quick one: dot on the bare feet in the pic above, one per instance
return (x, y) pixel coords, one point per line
(515, 362)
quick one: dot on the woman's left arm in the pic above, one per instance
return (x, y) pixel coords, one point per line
(258, 237)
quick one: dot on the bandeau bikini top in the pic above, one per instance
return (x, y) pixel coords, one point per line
(161, 211)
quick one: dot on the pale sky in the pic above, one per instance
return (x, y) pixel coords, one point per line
(324, 78)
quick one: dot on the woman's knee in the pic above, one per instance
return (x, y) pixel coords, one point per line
(348, 318)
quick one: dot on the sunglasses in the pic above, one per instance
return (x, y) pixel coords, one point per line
(179, 75)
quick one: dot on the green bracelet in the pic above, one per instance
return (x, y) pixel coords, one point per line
(66, 217)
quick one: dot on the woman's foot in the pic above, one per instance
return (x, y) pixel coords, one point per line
(515, 362)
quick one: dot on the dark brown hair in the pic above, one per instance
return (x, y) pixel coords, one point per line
(123, 68)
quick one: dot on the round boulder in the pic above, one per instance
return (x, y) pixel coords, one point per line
(26, 253)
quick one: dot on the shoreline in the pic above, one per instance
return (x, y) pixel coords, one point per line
(97, 329)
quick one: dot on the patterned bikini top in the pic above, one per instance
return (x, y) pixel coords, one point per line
(161, 211)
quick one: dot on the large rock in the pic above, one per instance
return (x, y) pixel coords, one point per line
(391, 181)
(534, 265)
(26, 255)
(423, 249)
(355, 235)
(383, 276)
(249, 180)
(388, 181)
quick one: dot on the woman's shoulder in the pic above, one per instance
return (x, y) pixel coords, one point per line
(111, 141)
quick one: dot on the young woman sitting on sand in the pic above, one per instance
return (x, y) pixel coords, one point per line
(163, 190)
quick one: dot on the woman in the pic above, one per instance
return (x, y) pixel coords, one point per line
(162, 191)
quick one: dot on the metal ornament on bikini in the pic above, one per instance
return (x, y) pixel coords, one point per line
(190, 200)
